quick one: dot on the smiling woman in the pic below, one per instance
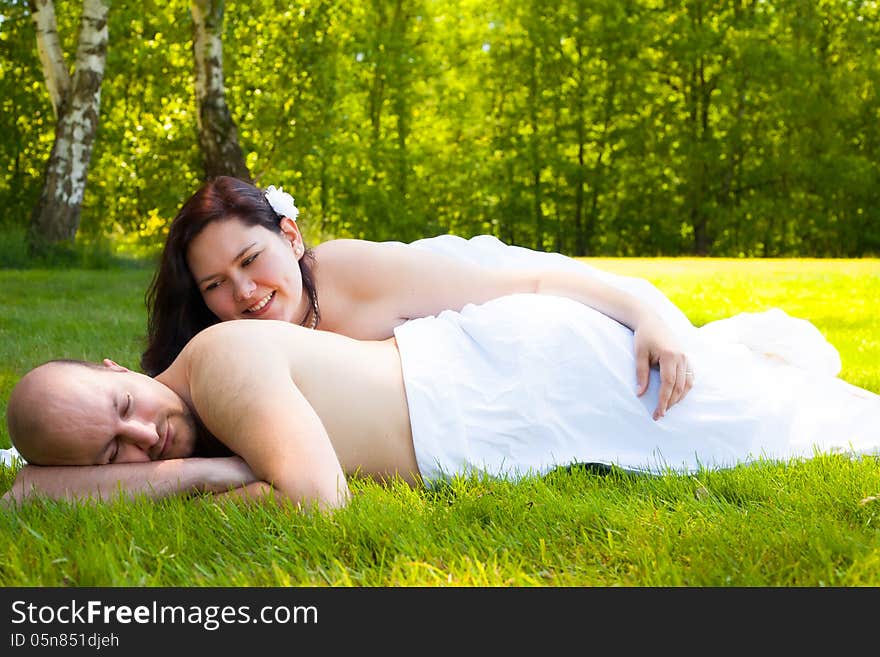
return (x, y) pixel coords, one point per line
(259, 280)
(236, 252)
(207, 272)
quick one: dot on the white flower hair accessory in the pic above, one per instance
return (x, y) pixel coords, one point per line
(281, 202)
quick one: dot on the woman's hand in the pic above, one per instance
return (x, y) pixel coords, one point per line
(655, 344)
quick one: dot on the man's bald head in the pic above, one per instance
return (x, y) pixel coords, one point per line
(36, 406)
(79, 413)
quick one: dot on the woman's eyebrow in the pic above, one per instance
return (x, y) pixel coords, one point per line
(237, 256)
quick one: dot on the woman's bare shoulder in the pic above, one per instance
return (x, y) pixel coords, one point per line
(350, 272)
(344, 250)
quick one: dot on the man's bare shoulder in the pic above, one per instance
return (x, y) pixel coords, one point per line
(227, 358)
(241, 337)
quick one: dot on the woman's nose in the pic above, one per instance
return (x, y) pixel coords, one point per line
(243, 289)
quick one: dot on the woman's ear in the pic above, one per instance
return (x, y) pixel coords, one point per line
(291, 233)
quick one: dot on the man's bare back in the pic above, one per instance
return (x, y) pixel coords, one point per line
(356, 388)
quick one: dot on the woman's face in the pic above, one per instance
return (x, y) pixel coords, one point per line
(249, 272)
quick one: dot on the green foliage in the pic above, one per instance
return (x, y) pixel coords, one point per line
(97, 253)
(601, 127)
(27, 123)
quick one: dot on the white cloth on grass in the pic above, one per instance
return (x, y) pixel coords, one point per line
(10, 458)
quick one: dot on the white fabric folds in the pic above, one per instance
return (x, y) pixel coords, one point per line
(525, 383)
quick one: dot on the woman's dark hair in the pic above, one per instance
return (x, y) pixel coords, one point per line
(175, 308)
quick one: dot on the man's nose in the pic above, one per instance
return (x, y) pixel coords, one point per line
(141, 434)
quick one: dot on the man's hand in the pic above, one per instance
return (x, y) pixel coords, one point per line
(655, 344)
(226, 473)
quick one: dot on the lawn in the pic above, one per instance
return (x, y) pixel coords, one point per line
(805, 523)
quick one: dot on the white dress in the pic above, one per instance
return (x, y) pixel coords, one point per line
(525, 383)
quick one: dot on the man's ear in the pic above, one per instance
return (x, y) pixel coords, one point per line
(113, 365)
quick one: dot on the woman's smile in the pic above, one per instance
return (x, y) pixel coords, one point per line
(262, 306)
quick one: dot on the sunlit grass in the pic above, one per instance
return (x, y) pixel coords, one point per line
(806, 523)
(841, 297)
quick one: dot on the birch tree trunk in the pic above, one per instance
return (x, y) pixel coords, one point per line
(218, 136)
(76, 101)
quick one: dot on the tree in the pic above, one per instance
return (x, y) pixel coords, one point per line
(218, 136)
(76, 101)
(592, 127)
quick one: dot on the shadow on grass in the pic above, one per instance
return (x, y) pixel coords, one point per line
(98, 254)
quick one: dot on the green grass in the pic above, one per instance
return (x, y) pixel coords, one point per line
(804, 523)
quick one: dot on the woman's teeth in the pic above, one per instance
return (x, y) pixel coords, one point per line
(260, 304)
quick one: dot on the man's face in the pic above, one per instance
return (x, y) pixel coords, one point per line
(110, 415)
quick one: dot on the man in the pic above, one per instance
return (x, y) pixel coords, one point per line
(518, 385)
(238, 377)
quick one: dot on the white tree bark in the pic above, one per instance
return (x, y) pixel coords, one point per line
(218, 135)
(56, 215)
(51, 56)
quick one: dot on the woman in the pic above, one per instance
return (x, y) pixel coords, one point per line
(235, 252)
(513, 387)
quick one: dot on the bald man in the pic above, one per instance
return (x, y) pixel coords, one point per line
(238, 383)
(516, 386)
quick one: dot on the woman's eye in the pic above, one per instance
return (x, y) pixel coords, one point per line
(249, 260)
(129, 402)
(212, 286)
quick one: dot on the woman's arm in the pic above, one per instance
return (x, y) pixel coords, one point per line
(369, 288)
(154, 479)
(654, 342)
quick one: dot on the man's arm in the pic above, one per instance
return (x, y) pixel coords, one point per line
(154, 479)
(244, 393)
(251, 493)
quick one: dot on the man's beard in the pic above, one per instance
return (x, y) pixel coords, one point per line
(206, 444)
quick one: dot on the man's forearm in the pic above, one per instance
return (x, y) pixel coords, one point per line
(252, 492)
(154, 479)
